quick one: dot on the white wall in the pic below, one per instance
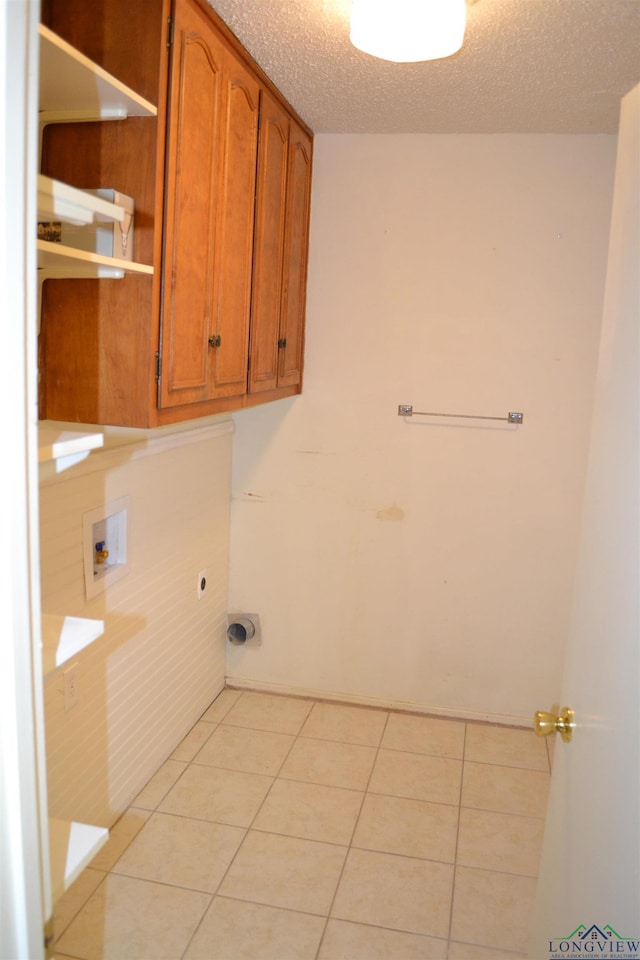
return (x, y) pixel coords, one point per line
(429, 563)
(161, 660)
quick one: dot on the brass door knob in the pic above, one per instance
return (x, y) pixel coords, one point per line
(546, 723)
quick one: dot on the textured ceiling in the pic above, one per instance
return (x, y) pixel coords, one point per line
(526, 66)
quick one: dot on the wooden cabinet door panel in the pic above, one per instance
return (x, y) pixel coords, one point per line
(271, 195)
(296, 242)
(234, 228)
(191, 204)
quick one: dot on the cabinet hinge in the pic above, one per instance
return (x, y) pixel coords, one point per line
(158, 365)
(169, 32)
(48, 935)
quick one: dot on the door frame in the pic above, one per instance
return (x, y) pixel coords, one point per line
(25, 901)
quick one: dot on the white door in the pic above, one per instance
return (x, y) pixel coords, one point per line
(589, 886)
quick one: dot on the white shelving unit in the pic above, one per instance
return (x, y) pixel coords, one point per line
(65, 446)
(72, 846)
(73, 88)
(63, 638)
(60, 260)
(59, 201)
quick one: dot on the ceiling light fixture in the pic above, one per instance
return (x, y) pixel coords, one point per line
(406, 31)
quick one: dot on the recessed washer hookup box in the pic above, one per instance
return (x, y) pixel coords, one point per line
(107, 237)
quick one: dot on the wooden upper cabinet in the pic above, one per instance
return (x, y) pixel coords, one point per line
(214, 318)
(212, 142)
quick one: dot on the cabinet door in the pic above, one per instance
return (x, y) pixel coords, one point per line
(210, 198)
(234, 229)
(269, 244)
(296, 242)
(194, 134)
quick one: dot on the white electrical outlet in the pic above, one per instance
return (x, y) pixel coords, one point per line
(70, 678)
(202, 583)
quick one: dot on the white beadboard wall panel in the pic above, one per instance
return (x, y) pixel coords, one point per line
(160, 662)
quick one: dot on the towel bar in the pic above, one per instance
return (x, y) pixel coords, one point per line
(406, 410)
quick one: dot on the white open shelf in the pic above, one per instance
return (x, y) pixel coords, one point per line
(57, 441)
(71, 846)
(73, 88)
(60, 260)
(64, 637)
(59, 201)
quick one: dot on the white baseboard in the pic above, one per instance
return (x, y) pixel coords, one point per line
(403, 706)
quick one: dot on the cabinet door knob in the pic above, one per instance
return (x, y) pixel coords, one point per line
(215, 340)
(282, 343)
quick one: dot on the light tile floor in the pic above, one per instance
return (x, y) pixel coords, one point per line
(290, 829)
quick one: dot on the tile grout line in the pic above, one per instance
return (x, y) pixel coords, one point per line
(81, 907)
(355, 827)
(151, 811)
(247, 829)
(212, 896)
(455, 852)
(108, 873)
(240, 845)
